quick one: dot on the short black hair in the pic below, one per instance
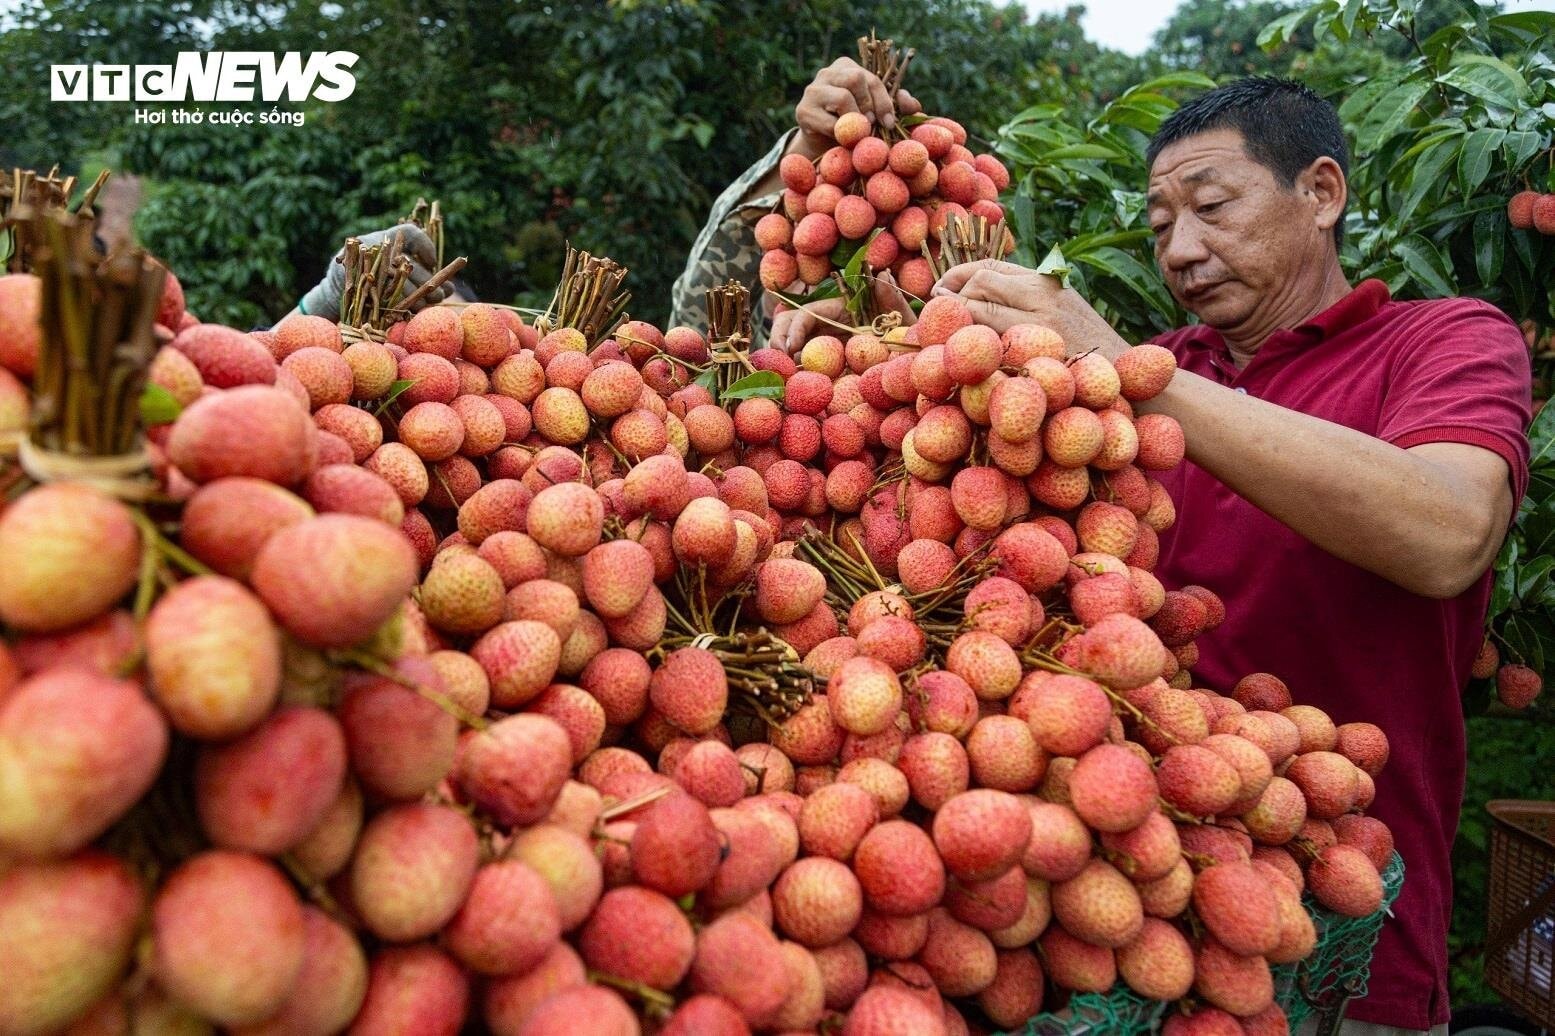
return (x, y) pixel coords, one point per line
(1284, 124)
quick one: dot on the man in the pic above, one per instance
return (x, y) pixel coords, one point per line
(1353, 465)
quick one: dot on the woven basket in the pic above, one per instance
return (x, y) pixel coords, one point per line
(1520, 926)
(1335, 971)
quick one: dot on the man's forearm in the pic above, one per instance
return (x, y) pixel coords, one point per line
(1363, 500)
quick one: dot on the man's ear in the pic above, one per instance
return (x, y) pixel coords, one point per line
(1323, 182)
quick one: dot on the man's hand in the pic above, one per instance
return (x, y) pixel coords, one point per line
(1002, 294)
(844, 86)
(792, 328)
(323, 299)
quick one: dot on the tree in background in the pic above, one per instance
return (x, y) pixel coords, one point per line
(612, 124)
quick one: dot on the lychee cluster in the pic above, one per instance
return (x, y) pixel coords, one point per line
(1517, 685)
(1530, 210)
(889, 193)
(505, 677)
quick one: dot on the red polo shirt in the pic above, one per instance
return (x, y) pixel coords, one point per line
(1345, 640)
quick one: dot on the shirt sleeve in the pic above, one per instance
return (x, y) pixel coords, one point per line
(1467, 380)
(726, 249)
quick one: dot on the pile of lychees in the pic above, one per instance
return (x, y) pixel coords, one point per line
(549, 692)
(892, 198)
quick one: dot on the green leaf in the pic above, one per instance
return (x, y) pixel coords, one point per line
(1351, 10)
(1284, 27)
(395, 391)
(1503, 590)
(1489, 79)
(1525, 26)
(1533, 577)
(1425, 177)
(846, 250)
(1541, 439)
(1426, 265)
(1479, 149)
(1520, 145)
(855, 264)
(157, 406)
(1055, 265)
(708, 379)
(1171, 81)
(766, 384)
(1144, 283)
(1489, 245)
(1389, 113)
(1072, 151)
(827, 289)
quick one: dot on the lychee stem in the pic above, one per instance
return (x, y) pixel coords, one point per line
(378, 667)
(1042, 660)
(653, 998)
(314, 888)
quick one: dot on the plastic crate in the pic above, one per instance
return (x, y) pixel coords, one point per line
(1520, 926)
(1335, 971)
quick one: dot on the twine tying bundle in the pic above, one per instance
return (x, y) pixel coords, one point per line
(126, 476)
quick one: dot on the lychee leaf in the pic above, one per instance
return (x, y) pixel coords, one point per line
(708, 379)
(765, 384)
(846, 250)
(1055, 265)
(157, 406)
(395, 391)
(855, 264)
(827, 289)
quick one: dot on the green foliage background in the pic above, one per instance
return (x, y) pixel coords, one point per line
(614, 123)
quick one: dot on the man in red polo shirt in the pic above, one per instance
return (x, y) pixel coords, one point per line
(1353, 465)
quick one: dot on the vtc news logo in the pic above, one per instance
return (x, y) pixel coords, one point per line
(214, 76)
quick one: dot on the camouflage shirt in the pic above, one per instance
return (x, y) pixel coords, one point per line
(726, 248)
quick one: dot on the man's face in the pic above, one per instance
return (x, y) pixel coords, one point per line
(1228, 235)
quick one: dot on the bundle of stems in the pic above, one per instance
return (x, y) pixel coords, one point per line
(25, 193)
(589, 297)
(764, 672)
(97, 314)
(889, 62)
(429, 217)
(968, 239)
(729, 332)
(376, 278)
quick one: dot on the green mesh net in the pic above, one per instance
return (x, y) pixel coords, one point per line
(1335, 971)
(1341, 960)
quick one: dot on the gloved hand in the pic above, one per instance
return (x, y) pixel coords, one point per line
(323, 299)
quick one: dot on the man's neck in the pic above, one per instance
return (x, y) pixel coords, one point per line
(1304, 299)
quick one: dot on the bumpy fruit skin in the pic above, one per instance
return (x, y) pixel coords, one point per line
(329, 989)
(254, 430)
(20, 301)
(332, 581)
(899, 869)
(638, 935)
(66, 931)
(1519, 209)
(1544, 214)
(508, 923)
(67, 553)
(227, 937)
(412, 869)
(414, 988)
(1112, 788)
(515, 768)
(1517, 686)
(77, 749)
